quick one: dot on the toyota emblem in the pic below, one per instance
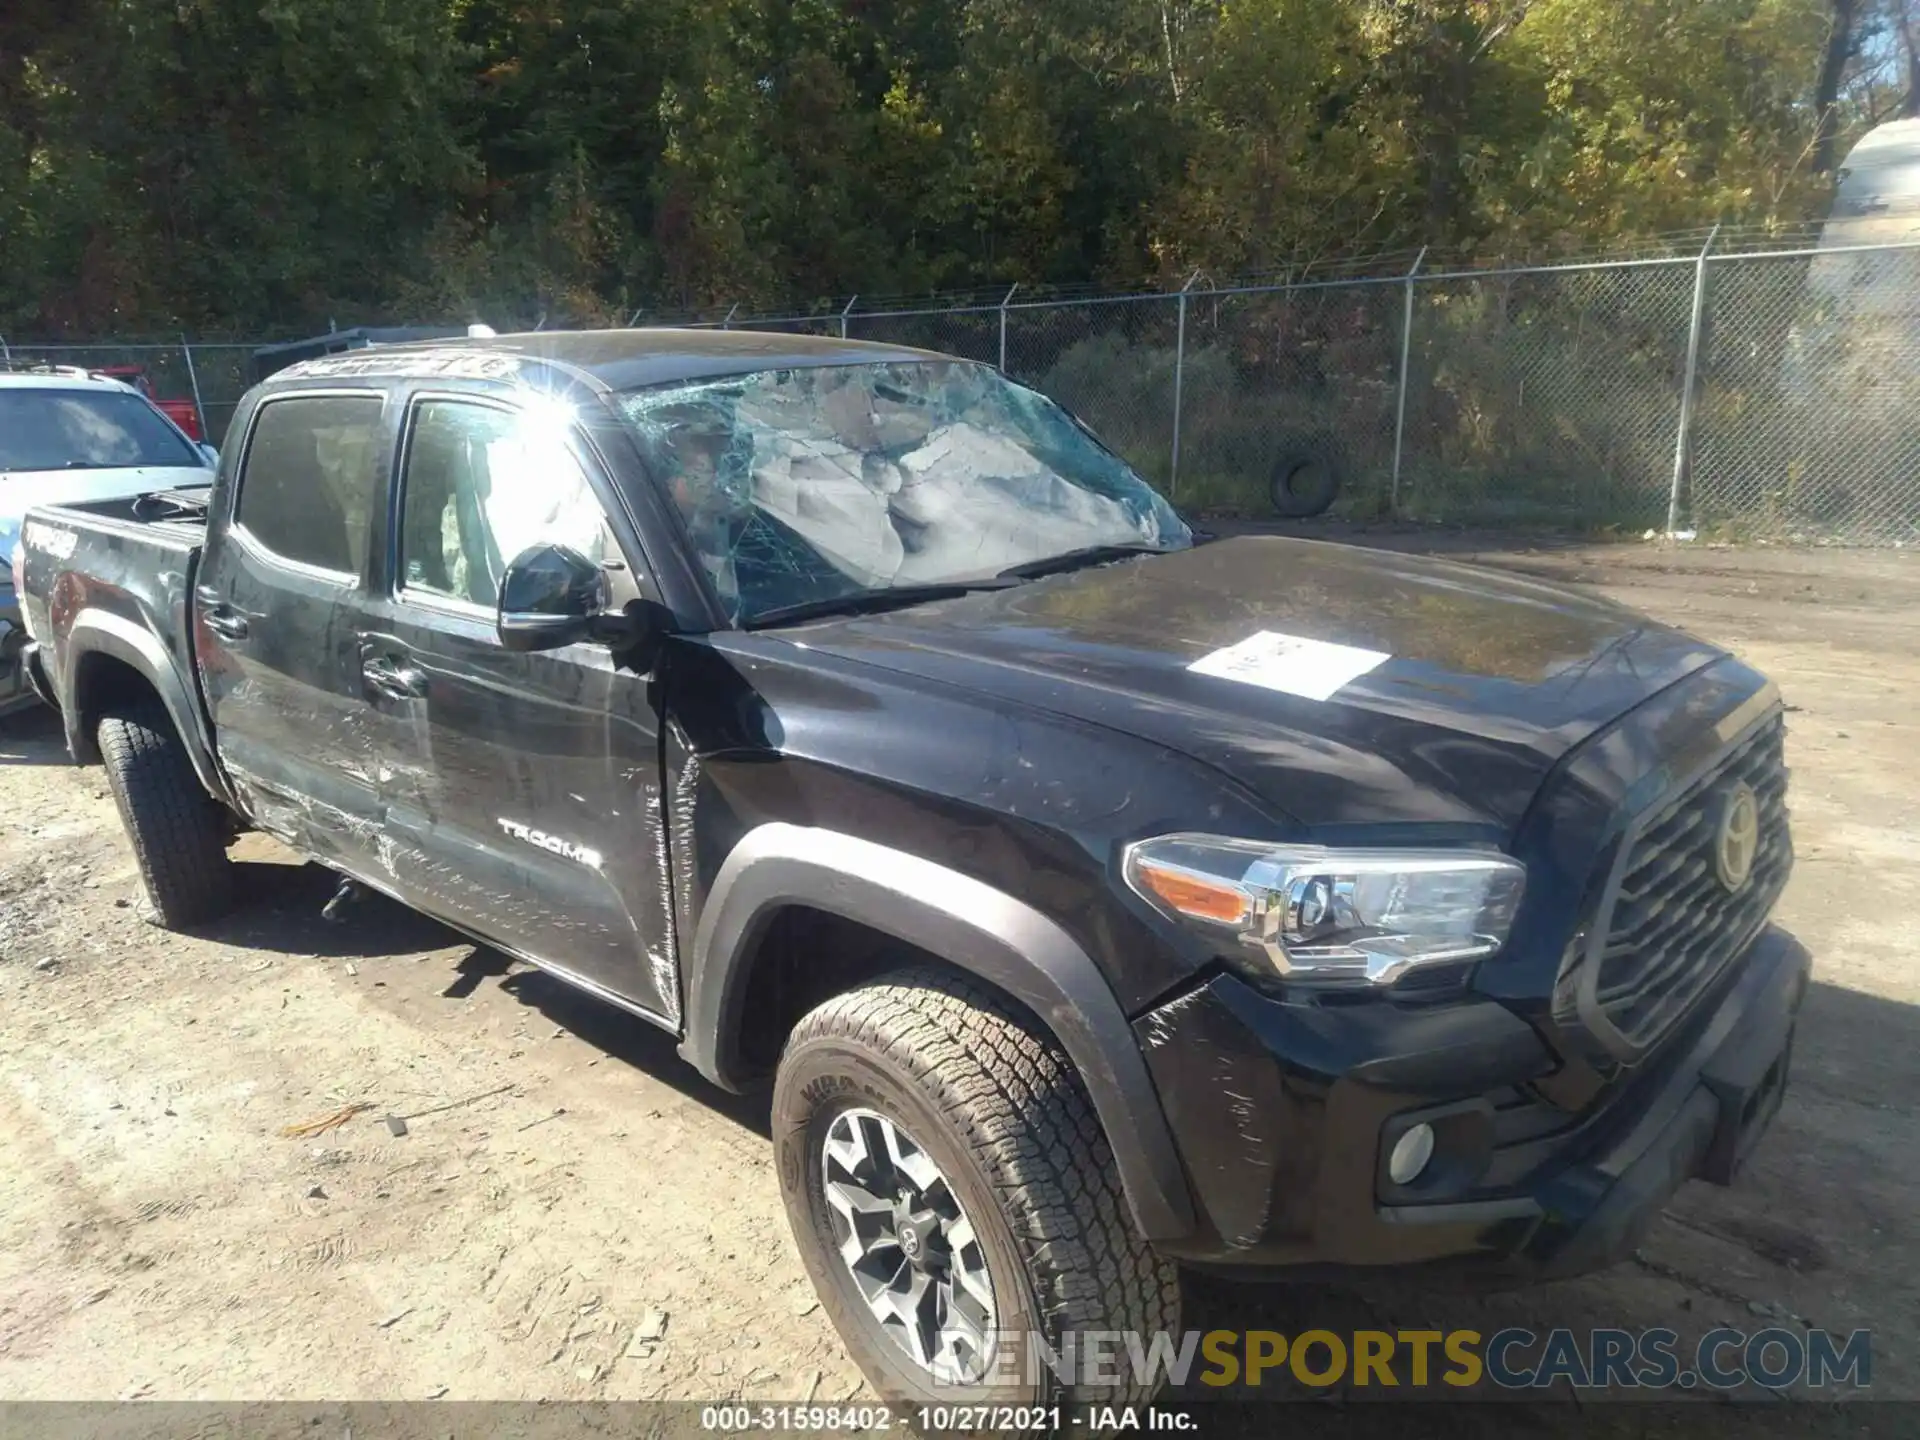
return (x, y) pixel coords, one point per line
(1737, 839)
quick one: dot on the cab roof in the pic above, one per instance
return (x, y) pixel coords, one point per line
(617, 359)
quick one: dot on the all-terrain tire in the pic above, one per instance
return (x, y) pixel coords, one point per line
(1001, 1111)
(179, 831)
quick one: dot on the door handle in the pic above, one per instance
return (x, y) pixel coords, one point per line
(222, 619)
(393, 679)
(227, 625)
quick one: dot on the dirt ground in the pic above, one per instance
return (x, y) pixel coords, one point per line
(563, 1174)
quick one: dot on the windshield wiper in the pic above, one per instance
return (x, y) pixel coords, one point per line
(1075, 559)
(867, 602)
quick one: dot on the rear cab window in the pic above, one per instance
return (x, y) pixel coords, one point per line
(310, 483)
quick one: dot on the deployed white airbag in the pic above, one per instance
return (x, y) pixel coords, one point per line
(804, 484)
(833, 498)
(975, 503)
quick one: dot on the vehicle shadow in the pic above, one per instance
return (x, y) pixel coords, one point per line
(282, 914)
(626, 1038)
(32, 737)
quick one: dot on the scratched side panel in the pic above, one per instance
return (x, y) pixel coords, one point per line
(94, 560)
(289, 719)
(1238, 1120)
(281, 676)
(681, 766)
(1038, 806)
(523, 800)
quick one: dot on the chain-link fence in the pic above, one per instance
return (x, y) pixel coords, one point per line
(1764, 393)
(1748, 393)
(1806, 422)
(1545, 396)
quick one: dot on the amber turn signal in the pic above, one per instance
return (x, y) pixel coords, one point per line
(1194, 895)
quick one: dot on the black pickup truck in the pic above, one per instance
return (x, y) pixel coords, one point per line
(1097, 897)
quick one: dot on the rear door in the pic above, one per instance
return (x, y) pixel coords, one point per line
(278, 605)
(522, 791)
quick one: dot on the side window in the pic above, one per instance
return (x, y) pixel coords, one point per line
(482, 484)
(311, 481)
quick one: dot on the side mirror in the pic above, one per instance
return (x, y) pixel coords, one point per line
(550, 596)
(213, 455)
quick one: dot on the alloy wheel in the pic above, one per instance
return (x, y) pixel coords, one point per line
(909, 1247)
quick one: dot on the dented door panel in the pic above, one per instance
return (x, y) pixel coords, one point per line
(276, 605)
(520, 794)
(284, 696)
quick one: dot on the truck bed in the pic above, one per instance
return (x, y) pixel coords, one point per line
(169, 512)
(125, 566)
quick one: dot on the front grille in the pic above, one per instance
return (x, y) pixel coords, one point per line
(1673, 924)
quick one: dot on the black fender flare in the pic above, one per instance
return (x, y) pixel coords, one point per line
(99, 632)
(971, 925)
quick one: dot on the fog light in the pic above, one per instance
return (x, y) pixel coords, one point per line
(1410, 1155)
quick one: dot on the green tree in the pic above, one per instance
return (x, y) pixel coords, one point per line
(278, 163)
(1664, 116)
(248, 163)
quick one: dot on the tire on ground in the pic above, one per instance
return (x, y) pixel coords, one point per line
(1001, 1111)
(179, 832)
(1306, 481)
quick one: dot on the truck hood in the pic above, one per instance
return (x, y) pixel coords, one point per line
(21, 490)
(1490, 678)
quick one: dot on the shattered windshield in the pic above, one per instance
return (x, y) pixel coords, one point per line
(807, 485)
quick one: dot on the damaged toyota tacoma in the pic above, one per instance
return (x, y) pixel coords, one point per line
(1098, 898)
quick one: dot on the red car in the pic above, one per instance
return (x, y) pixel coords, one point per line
(184, 413)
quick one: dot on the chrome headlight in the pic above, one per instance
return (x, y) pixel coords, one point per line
(1313, 913)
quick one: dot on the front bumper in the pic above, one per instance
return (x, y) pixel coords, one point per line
(1284, 1114)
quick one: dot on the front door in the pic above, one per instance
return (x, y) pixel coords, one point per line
(277, 606)
(522, 791)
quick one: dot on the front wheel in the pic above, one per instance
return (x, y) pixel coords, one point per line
(956, 1203)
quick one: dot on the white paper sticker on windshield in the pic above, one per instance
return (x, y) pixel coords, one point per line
(1290, 663)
